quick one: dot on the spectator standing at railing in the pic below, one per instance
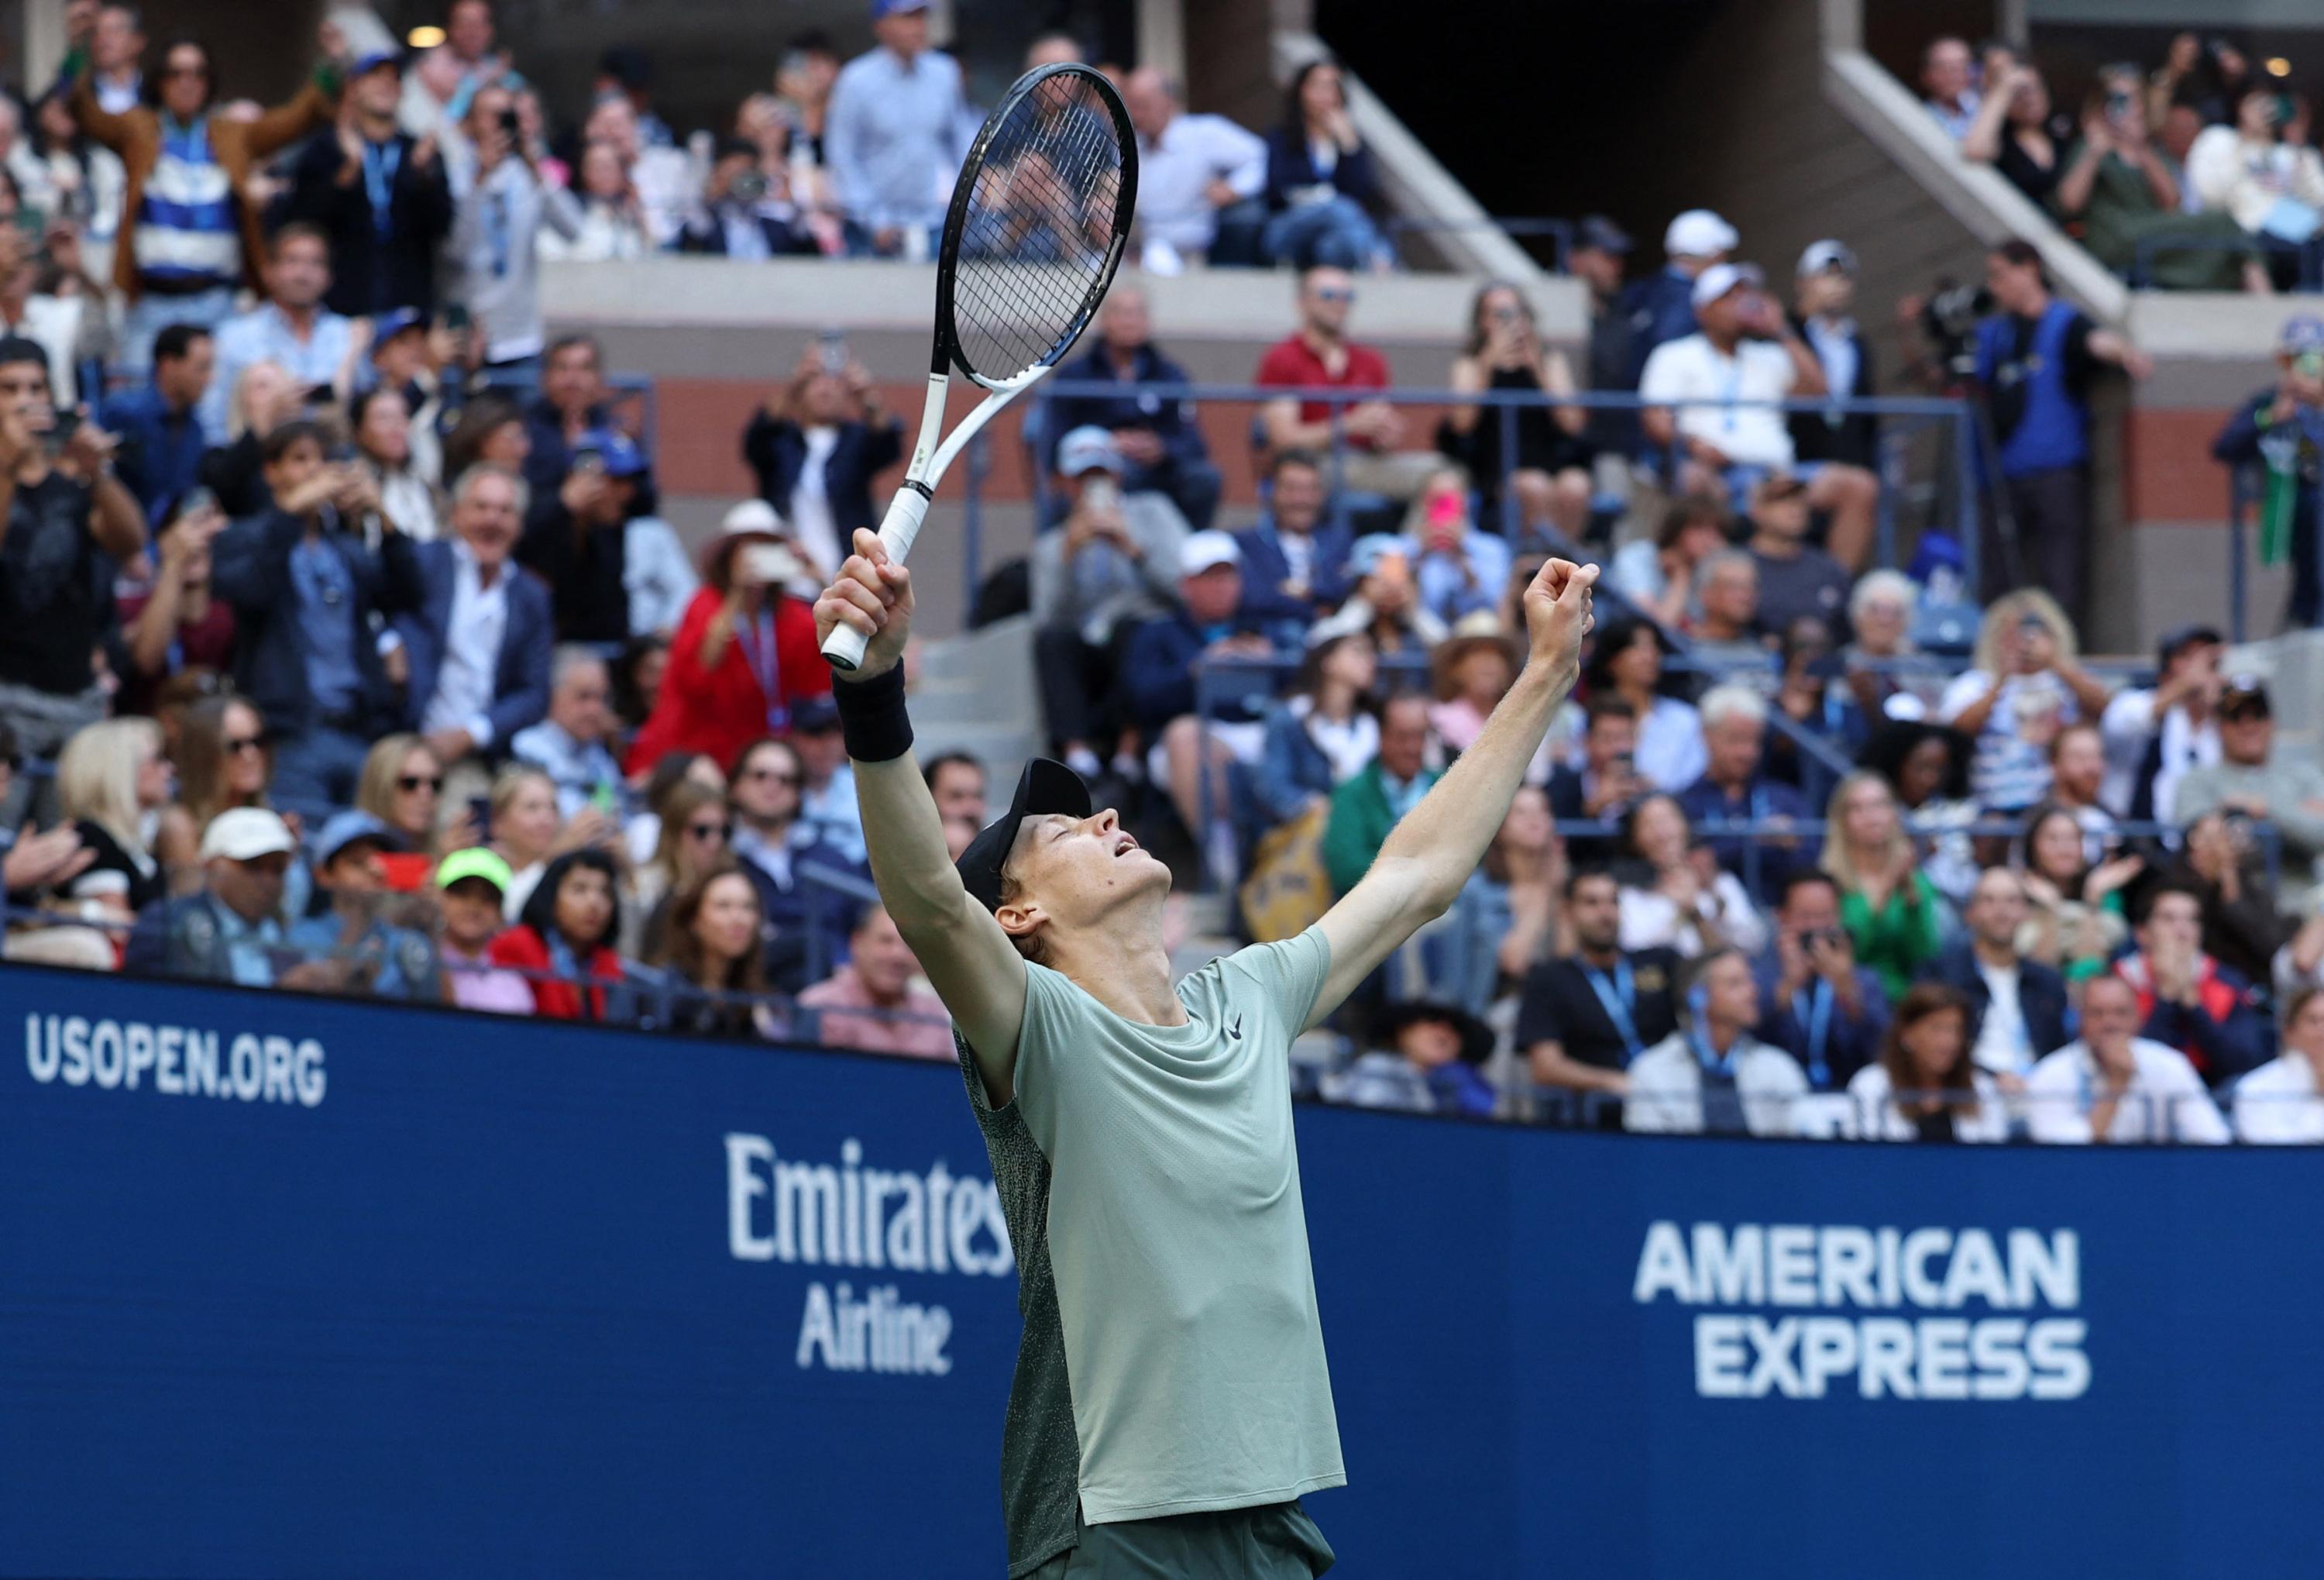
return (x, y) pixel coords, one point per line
(876, 1003)
(2035, 358)
(711, 948)
(1549, 472)
(1113, 565)
(233, 930)
(1948, 82)
(2018, 1009)
(171, 624)
(2114, 1085)
(1823, 292)
(161, 438)
(2282, 1103)
(62, 517)
(1201, 179)
(378, 194)
(1294, 563)
(897, 128)
(1891, 909)
(572, 744)
(2027, 684)
(469, 887)
(1924, 1086)
(305, 588)
(2017, 132)
(291, 328)
(1661, 307)
(815, 448)
(2186, 999)
(1600, 255)
(1366, 808)
(1675, 894)
(2280, 430)
(501, 204)
(1461, 570)
(563, 941)
(1655, 577)
(1584, 1019)
(350, 939)
(1627, 662)
(1816, 1002)
(2154, 736)
(2254, 778)
(1157, 437)
(1735, 789)
(1713, 1076)
(1319, 354)
(189, 235)
(1320, 182)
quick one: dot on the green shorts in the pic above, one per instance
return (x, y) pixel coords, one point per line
(1270, 1541)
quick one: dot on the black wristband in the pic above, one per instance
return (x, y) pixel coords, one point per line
(872, 717)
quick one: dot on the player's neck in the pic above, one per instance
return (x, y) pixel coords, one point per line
(1126, 967)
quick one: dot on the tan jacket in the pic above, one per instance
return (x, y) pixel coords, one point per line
(136, 136)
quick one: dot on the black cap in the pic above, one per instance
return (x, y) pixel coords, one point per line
(2245, 694)
(1045, 788)
(2180, 638)
(1598, 231)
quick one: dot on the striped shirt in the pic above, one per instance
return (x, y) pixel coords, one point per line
(186, 237)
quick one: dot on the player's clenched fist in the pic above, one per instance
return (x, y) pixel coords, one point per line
(1557, 610)
(873, 596)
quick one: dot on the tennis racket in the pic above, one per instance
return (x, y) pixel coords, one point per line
(1037, 223)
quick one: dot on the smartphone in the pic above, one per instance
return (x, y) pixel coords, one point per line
(198, 499)
(831, 351)
(588, 460)
(1445, 511)
(768, 564)
(480, 813)
(455, 317)
(68, 421)
(31, 222)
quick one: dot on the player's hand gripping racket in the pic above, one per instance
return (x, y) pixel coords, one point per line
(1037, 223)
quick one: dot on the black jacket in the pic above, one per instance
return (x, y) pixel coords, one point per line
(1853, 438)
(371, 269)
(2041, 996)
(777, 451)
(251, 570)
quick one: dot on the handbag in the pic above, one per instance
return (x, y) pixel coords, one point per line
(1288, 891)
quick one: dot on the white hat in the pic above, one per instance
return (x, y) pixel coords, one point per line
(1206, 548)
(1827, 254)
(1088, 449)
(243, 834)
(1699, 234)
(1722, 278)
(752, 515)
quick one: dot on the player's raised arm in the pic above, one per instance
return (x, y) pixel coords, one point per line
(1432, 851)
(969, 960)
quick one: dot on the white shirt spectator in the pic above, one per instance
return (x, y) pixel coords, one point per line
(834, 815)
(471, 650)
(1670, 753)
(1175, 169)
(1704, 387)
(1956, 122)
(2127, 726)
(656, 574)
(1652, 920)
(2273, 187)
(2003, 1043)
(1878, 1119)
(1665, 1094)
(893, 137)
(2008, 773)
(2278, 1104)
(265, 334)
(2164, 1102)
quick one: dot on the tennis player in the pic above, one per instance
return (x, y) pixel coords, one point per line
(1171, 1401)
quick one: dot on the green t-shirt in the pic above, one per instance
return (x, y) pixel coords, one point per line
(1152, 1183)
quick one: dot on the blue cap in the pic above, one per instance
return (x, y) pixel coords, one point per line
(387, 326)
(373, 60)
(346, 828)
(1366, 553)
(2301, 335)
(882, 8)
(616, 450)
(1599, 232)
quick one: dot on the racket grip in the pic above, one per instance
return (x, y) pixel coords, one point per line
(845, 647)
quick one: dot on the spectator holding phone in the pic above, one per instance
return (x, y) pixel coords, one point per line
(2264, 171)
(2027, 683)
(1607, 782)
(1549, 472)
(2155, 735)
(501, 204)
(743, 656)
(2280, 432)
(578, 540)
(1816, 1002)
(2124, 192)
(1460, 570)
(173, 624)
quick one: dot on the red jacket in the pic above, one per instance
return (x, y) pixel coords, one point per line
(523, 949)
(722, 709)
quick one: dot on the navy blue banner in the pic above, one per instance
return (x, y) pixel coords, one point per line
(296, 1287)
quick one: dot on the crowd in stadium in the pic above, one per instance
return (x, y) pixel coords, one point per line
(342, 647)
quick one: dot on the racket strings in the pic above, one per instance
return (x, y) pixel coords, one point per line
(1038, 229)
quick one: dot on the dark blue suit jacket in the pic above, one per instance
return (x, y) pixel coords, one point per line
(1264, 569)
(1170, 417)
(251, 570)
(2041, 996)
(521, 676)
(777, 451)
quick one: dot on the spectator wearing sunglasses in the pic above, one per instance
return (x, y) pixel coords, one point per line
(697, 835)
(1321, 353)
(403, 786)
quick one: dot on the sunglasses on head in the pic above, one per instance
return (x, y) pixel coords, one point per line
(412, 782)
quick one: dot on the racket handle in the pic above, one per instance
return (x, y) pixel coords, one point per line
(845, 647)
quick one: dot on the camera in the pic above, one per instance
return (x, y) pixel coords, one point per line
(1950, 318)
(509, 124)
(748, 187)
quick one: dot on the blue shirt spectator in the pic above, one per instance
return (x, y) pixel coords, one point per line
(1735, 789)
(352, 948)
(897, 126)
(570, 745)
(1815, 1001)
(291, 328)
(161, 438)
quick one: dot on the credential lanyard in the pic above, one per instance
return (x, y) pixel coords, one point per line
(1812, 1010)
(1619, 997)
(757, 642)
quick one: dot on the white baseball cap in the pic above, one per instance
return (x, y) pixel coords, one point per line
(1206, 548)
(1699, 234)
(1722, 278)
(1088, 449)
(243, 834)
(1827, 254)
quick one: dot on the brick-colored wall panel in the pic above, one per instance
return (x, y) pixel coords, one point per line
(2169, 475)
